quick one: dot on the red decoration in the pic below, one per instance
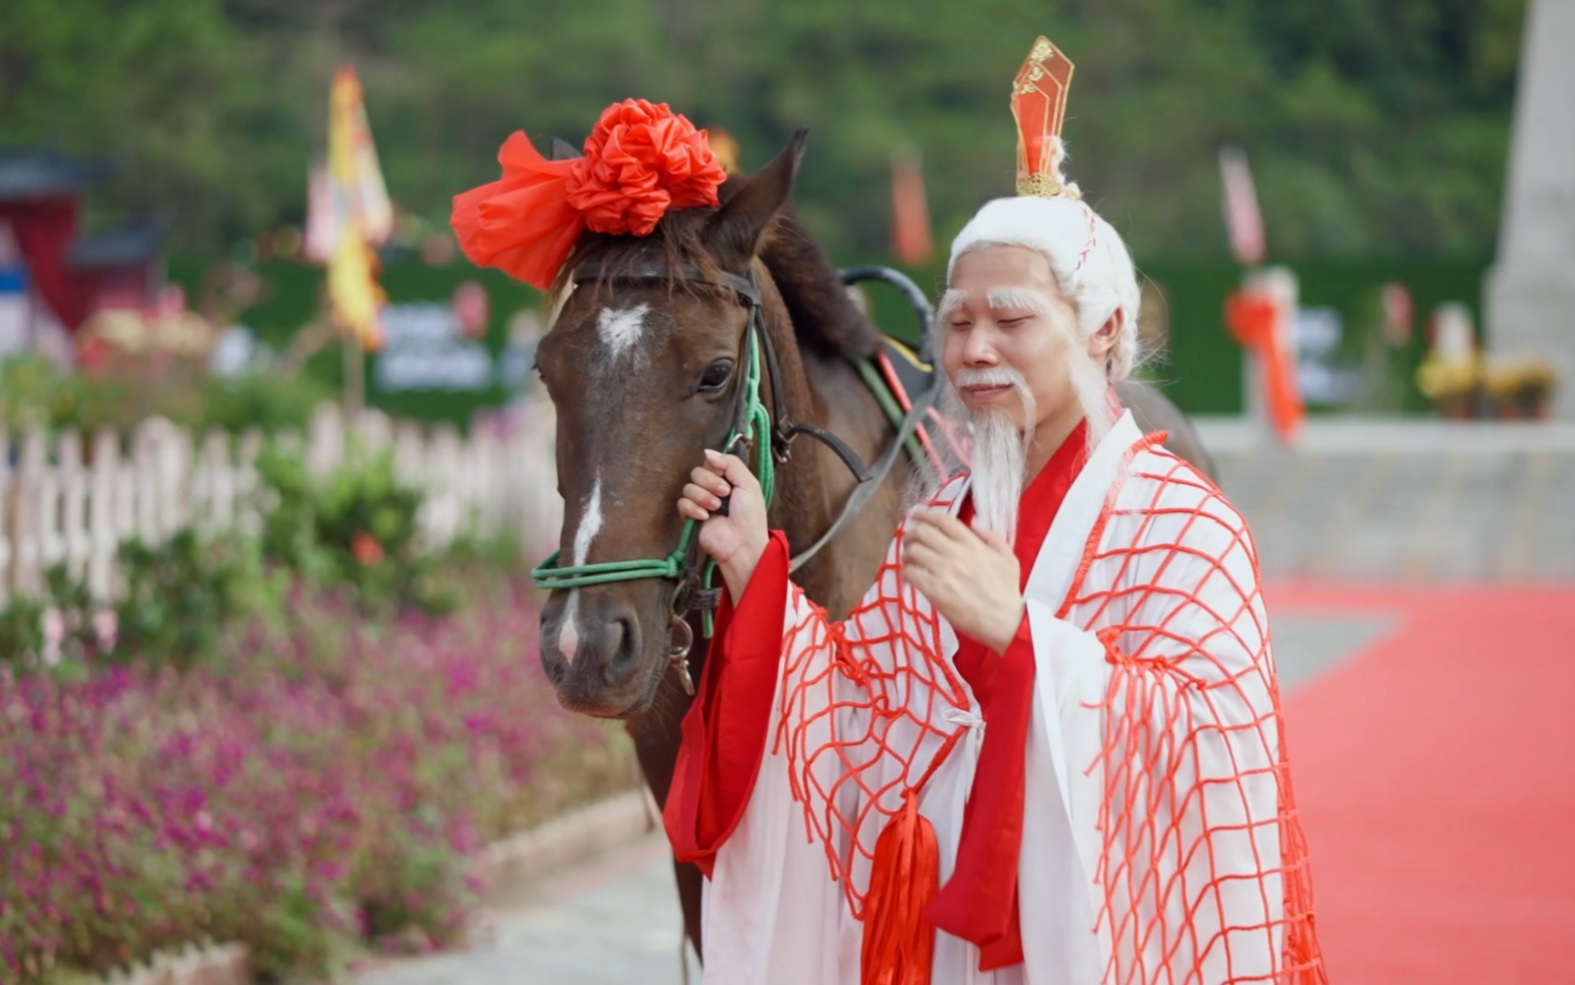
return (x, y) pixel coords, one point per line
(523, 223)
(641, 160)
(1039, 107)
(44, 229)
(366, 549)
(1251, 320)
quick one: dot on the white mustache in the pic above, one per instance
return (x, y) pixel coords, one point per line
(990, 376)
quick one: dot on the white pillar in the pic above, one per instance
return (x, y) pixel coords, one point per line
(1531, 288)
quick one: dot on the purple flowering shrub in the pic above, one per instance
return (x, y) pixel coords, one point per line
(314, 792)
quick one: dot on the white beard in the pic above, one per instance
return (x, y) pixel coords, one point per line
(999, 452)
(1000, 455)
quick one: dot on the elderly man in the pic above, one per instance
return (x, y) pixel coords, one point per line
(1047, 747)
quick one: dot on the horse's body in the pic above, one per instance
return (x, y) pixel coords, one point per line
(627, 440)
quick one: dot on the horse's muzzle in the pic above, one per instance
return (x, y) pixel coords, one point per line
(593, 652)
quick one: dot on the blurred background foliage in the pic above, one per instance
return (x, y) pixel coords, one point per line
(1374, 126)
(34, 392)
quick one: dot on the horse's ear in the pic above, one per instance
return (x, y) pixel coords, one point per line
(734, 232)
(562, 150)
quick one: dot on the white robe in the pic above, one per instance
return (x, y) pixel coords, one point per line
(774, 916)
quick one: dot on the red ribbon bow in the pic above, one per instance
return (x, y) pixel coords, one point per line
(641, 160)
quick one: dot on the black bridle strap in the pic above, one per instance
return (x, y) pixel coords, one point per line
(748, 293)
(783, 431)
(871, 481)
(843, 450)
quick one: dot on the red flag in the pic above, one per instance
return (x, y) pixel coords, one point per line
(1243, 221)
(1254, 317)
(910, 214)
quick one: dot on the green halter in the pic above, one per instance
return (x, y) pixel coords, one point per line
(763, 435)
(551, 575)
(752, 427)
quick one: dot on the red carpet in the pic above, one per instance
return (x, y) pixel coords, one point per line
(1435, 770)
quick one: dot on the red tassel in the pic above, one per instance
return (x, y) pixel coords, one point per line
(899, 942)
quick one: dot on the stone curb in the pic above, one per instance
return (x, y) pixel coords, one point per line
(528, 857)
(223, 964)
(1226, 435)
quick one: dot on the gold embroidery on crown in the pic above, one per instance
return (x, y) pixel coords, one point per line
(1043, 185)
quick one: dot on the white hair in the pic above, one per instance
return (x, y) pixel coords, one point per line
(1087, 256)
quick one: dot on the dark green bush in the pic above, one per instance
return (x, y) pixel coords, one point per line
(358, 526)
(182, 595)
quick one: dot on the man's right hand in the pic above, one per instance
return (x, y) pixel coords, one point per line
(737, 539)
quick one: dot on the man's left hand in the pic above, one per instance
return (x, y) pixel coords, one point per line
(970, 577)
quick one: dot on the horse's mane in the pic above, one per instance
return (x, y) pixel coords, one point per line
(824, 316)
(823, 313)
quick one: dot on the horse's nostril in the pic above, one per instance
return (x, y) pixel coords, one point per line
(623, 649)
(553, 662)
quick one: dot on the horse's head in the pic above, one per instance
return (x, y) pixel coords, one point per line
(644, 366)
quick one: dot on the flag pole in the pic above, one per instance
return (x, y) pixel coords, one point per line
(354, 375)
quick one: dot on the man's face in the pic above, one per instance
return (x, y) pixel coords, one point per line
(1002, 308)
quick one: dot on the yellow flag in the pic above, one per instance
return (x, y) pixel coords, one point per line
(358, 215)
(725, 148)
(353, 292)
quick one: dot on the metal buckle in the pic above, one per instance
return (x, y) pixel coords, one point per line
(678, 650)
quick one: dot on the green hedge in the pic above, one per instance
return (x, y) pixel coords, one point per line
(1201, 369)
(292, 297)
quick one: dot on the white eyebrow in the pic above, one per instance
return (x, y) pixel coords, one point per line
(1000, 299)
(1025, 299)
(950, 301)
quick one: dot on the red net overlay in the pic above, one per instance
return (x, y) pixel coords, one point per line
(1202, 875)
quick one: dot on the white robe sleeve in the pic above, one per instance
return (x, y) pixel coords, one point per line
(1156, 748)
(773, 914)
(778, 905)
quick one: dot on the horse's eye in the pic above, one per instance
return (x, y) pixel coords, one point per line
(716, 376)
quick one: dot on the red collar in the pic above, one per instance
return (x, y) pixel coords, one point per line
(979, 902)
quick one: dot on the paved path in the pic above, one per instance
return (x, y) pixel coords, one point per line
(616, 922)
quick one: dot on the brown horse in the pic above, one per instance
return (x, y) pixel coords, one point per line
(644, 363)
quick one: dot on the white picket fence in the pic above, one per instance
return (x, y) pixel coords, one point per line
(63, 499)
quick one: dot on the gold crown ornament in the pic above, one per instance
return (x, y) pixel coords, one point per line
(1039, 107)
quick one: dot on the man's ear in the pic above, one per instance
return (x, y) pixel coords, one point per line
(1108, 334)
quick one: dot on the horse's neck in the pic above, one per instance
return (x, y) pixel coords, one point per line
(798, 506)
(812, 485)
(799, 503)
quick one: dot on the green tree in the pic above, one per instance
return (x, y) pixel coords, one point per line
(1372, 125)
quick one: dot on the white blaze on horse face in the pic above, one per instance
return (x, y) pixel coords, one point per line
(590, 526)
(621, 328)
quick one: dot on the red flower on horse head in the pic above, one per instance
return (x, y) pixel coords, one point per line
(641, 160)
